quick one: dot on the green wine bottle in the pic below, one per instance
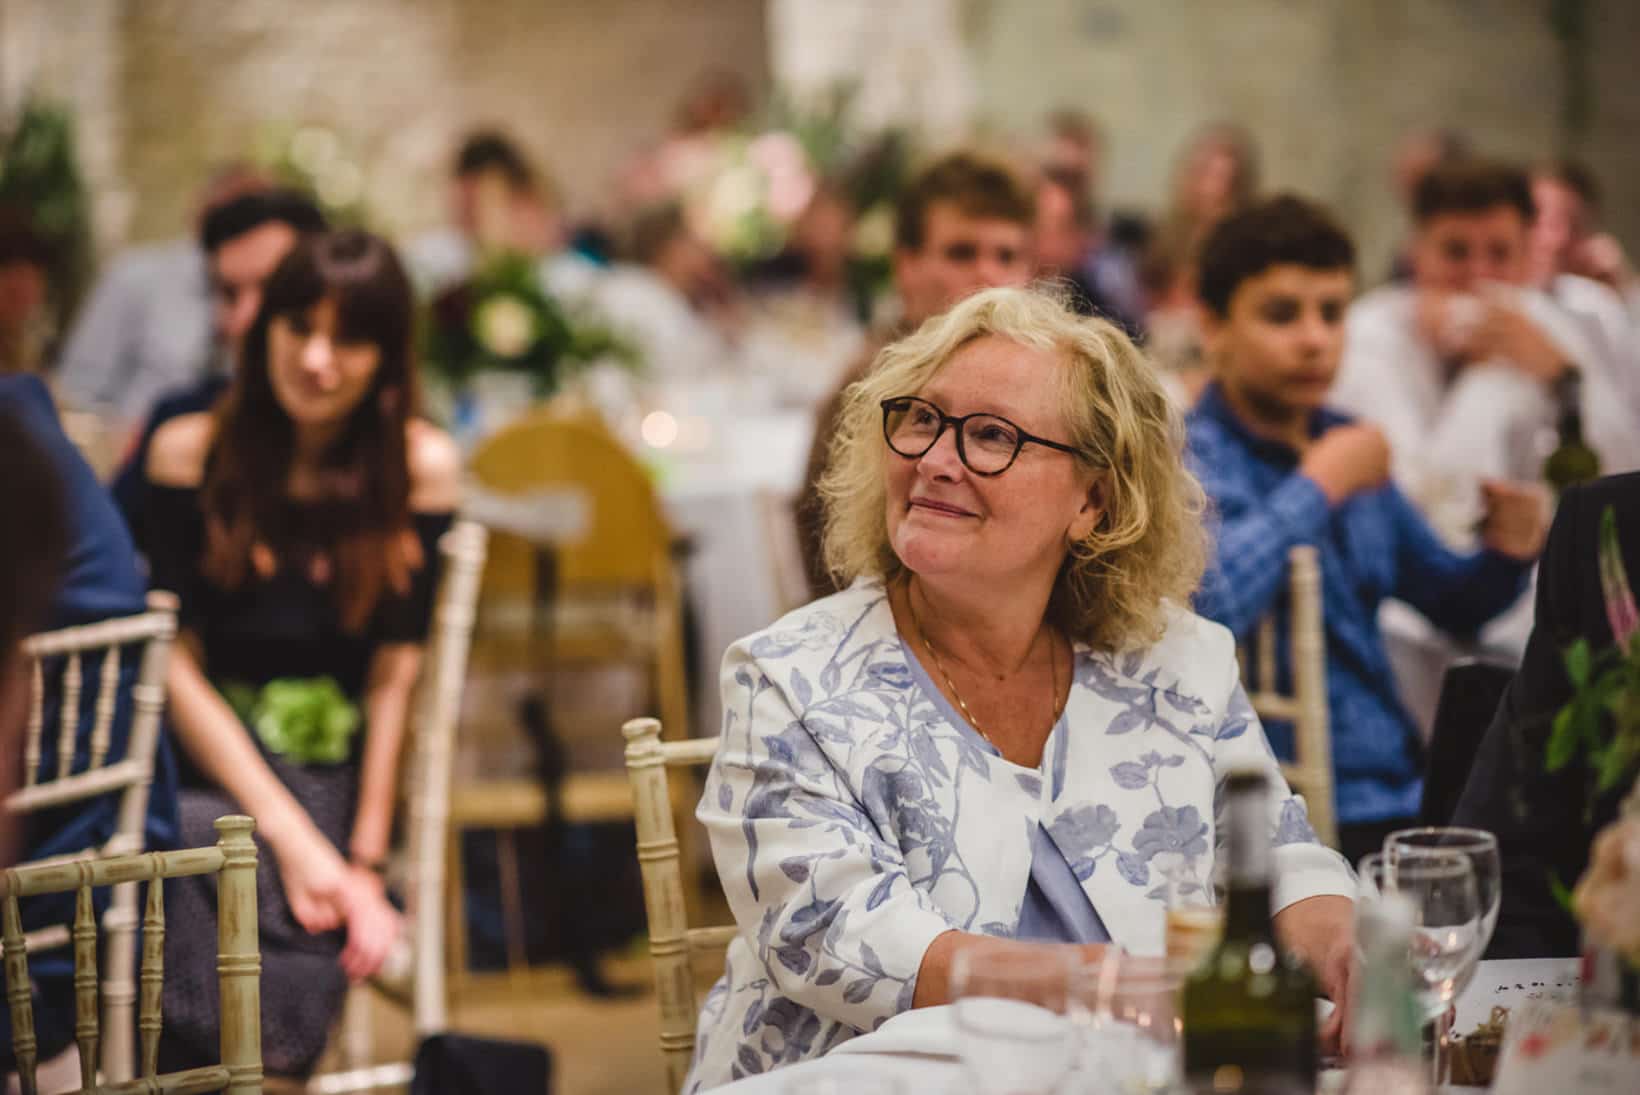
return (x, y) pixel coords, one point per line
(1249, 1010)
(1573, 461)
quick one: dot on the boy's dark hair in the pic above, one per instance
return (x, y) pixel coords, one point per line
(489, 150)
(1472, 186)
(248, 212)
(1283, 230)
(978, 185)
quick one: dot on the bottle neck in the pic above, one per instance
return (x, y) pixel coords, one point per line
(1247, 912)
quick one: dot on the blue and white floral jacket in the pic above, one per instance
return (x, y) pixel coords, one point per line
(852, 823)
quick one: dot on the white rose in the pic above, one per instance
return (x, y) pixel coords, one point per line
(505, 325)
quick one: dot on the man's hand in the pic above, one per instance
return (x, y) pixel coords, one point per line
(1347, 459)
(1507, 334)
(1517, 519)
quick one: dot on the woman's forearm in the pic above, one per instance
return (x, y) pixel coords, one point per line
(934, 975)
(387, 706)
(218, 744)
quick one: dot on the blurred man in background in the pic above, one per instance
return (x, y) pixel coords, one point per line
(497, 202)
(244, 240)
(1465, 368)
(963, 224)
(1584, 270)
(147, 326)
(1417, 153)
(25, 285)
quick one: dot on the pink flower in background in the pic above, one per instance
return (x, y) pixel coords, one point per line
(1614, 584)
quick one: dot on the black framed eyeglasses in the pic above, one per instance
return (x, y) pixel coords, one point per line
(987, 444)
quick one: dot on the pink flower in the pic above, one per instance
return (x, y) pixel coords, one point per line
(1614, 583)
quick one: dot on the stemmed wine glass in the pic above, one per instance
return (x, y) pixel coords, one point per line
(1447, 938)
(1482, 849)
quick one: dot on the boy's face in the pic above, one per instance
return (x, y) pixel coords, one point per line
(1279, 345)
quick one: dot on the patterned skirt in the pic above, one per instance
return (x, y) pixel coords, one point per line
(302, 985)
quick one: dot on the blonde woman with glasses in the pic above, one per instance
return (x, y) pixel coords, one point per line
(1008, 731)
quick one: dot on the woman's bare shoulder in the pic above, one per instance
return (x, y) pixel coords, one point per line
(176, 455)
(435, 467)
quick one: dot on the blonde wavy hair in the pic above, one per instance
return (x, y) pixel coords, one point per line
(1150, 546)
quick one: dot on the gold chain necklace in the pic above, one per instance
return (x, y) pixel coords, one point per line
(939, 663)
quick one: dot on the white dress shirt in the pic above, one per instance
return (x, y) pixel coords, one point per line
(145, 330)
(1488, 419)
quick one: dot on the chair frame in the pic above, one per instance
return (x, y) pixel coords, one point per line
(131, 776)
(506, 804)
(673, 944)
(1311, 771)
(431, 760)
(238, 963)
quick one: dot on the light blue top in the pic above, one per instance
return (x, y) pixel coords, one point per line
(1056, 909)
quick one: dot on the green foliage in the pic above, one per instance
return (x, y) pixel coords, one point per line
(310, 721)
(40, 177)
(1601, 722)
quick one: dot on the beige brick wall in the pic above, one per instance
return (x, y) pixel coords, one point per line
(1325, 85)
(167, 87)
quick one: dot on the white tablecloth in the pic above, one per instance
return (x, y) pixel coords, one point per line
(918, 1048)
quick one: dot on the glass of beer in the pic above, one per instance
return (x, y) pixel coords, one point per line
(1195, 916)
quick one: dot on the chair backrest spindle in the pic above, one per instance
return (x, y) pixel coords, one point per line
(672, 944)
(239, 965)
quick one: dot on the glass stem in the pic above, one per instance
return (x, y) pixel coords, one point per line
(1438, 1039)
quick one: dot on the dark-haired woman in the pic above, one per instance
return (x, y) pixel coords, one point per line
(299, 522)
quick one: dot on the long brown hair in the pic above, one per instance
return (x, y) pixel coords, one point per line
(364, 490)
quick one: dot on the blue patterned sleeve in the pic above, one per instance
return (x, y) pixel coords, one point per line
(1457, 592)
(817, 883)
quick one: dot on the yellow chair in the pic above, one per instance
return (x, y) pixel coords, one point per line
(674, 947)
(580, 574)
(1311, 771)
(238, 962)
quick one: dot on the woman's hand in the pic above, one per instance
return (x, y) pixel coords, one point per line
(315, 880)
(1321, 931)
(373, 925)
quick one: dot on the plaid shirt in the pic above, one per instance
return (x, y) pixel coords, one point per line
(1372, 545)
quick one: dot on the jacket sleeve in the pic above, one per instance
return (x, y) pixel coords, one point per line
(818, 887)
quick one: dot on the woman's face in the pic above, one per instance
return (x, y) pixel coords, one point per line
(945, 522)
(318, 379)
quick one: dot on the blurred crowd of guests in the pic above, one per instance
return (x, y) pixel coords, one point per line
(258, 378)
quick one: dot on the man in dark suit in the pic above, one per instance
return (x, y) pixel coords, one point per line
(1545, 821)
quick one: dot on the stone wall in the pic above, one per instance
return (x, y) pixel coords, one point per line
(167, 87)
(1326, 86)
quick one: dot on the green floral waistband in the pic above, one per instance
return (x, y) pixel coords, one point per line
(309, 720)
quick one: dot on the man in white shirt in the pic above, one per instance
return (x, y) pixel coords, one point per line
(146, 328)
(1462, 367)
(1585, 270)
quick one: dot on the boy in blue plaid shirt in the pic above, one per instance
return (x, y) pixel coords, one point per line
(1275, 281)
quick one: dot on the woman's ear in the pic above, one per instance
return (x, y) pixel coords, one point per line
(1091, 514)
